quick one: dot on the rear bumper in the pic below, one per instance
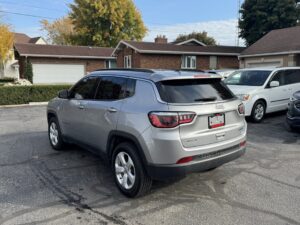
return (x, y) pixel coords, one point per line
(165, 172)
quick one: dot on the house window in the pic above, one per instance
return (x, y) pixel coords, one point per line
(127, 61)
(188, 62)
(110, 64)
(213, 61)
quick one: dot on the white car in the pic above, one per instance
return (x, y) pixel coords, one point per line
(264, 90)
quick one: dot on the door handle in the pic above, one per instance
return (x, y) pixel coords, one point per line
(112, 110)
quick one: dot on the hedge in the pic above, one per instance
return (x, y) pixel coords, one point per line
(7, 79)
(13, 95)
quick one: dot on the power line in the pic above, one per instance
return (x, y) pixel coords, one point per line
(29, 15)
(29, 6)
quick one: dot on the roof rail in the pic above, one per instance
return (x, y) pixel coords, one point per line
(128, 69)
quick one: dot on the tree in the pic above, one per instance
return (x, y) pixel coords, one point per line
(6, 44)
(60, 31)
(200, 36)
(28, 74)
(106, 22)
(259, 17)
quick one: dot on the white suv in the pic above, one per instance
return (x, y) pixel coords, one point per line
(264, 90)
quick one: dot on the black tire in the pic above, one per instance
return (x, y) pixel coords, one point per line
(60, 143)
(254, 114)
(143, 182)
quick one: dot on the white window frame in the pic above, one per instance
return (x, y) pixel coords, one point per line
(189, 62)
(127, 61)
(109, 62)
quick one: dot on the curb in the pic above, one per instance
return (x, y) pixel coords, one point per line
(25, 105)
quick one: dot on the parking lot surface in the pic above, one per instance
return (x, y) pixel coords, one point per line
(42, 186)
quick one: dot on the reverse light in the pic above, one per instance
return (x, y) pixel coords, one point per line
(241, 109)
(170, 119)
(185, 160)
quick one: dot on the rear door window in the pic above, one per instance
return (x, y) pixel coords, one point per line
(292, 76)
(194, 90)
(115, 88)
(85, 88)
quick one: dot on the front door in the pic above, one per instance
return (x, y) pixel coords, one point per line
(74, 110)
(278, 96)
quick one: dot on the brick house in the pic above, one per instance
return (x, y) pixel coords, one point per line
(190, 54)
(277, 48)
(62, 64)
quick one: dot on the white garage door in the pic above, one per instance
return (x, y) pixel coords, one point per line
(57, 73)
(264, 64)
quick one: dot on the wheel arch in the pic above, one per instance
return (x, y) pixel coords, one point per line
(264, 101)
(51, 114)
(117, 137)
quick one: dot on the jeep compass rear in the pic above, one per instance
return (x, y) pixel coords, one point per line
(151, 124)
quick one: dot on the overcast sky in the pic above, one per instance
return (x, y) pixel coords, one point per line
(164, 17)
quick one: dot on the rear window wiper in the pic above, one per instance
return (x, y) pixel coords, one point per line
(209, 99)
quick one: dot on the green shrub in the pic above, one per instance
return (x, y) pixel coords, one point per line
(28, 75)
(13, 95)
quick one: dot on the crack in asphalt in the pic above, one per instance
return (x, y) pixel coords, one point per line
(68, 197)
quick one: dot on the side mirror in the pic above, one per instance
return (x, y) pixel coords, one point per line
(64, 94)
(274, 84)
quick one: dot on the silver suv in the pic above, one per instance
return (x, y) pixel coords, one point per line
(150, 124)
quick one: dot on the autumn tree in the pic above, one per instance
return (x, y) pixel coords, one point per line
(106, 22)
(59, 32)
(6, 44)
(200, 36)
(258, 17)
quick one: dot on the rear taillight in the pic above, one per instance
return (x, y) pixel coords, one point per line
(170, 119)
(241, 109)
(243, 144)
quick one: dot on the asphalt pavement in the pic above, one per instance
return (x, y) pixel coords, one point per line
(41, 186)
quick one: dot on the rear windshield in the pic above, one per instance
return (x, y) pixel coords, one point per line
(193, 90)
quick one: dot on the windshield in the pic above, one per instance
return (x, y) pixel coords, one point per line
(248, 77)
(193, 90)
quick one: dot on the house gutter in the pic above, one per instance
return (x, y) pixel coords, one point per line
(187, 53)
(67, 56)
(269, 54)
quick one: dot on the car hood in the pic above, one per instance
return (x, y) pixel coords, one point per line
(297, 95)
(241, 89)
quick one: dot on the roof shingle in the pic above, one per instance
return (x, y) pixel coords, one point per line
(21, 38)
(276, 41)
(147, 47)
(63, 51)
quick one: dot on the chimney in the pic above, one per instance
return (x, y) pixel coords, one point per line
(161, 39)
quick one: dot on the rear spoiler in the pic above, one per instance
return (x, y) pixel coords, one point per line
(196, 76)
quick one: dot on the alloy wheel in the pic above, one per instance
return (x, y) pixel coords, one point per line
(125, 170)
(53, 133)
(259, 111)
